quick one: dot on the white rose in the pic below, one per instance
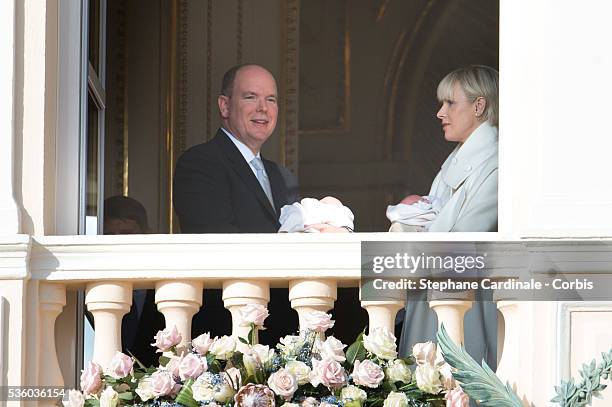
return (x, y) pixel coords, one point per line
(290, 344)
(283, 383)
(208, 388)
(428, 378)
(264, 353)
(367, 373)
(396, 399)
(223, 392)
(75, 399)
(290, 405)
(447, 376)
(109, 398)
(251, 362)
(201, 388)
(332, 348)
(223, 347)
(145, 389)
(381, 342)
(353, 393)
(201, 393)
(424, 353)
(300, 370)
(398, 371)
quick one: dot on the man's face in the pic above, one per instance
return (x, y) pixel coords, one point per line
(250, 112)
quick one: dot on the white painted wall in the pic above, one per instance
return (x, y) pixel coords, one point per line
(8, 208)
(554, 139)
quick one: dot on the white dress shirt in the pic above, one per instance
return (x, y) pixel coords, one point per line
(244, 150)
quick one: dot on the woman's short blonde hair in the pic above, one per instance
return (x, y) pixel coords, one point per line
(476, 81)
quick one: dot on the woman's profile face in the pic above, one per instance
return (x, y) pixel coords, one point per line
(458, 116)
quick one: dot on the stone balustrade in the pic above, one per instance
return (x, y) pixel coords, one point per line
(179, 268)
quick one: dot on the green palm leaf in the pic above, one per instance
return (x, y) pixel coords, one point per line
(478, 381)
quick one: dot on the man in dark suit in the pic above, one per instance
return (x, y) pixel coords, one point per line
(218, 187)
(225, 186)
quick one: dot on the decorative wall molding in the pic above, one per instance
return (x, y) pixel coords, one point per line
(239, 30)
(404, 48)
(4, 335)
(289, 84)
(564, 330)
(183, 61)
(14, 257)
(330, 38)
(209, 49)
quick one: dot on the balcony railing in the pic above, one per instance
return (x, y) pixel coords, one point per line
(44, 271)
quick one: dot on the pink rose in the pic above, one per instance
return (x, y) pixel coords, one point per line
(162, 383)
(457, 398)
(424, 353)
(121, 365)
(329, 372)
(367, 373)
(166, 339)
(253, 314)
(91, 378)
(283, 383)
(202, 343)
(317, 321)
(191, 366)
(173, 365)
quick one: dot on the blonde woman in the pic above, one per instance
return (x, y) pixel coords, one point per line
(465, 189)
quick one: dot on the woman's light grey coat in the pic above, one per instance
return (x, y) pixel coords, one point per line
(467, 185)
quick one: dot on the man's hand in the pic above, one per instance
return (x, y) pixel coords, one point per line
(327, 228)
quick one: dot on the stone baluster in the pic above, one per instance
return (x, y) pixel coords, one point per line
(451, 313)
(108, 302)
(508, 368)
(238, 293)
(179, 301)
(381, 305)
(312, 295)
(52, 299)
(381, 314)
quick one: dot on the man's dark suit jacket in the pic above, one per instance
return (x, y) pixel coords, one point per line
(215, 191)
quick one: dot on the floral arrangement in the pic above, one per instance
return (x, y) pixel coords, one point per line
(305, 370)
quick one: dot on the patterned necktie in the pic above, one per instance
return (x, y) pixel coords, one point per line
(262, 177)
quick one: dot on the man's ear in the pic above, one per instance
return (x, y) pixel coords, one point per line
(224, 109)
(480, 104)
